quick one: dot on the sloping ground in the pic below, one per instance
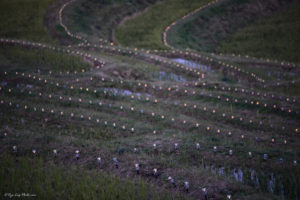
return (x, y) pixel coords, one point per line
(69, 115)
(275, 37)
(24, 19)
(145, 30)
(206, 30)
(98, 19)
(111, 118)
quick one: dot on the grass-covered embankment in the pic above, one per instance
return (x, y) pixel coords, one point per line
(24, 19)
(267, 29)
(15, 58)
(145, 30)
(275, 37)
(46, 180)
(98, 19)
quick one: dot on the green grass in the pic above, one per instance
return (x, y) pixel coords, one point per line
(24, 19)
(47, 180)
(98, 19)
(54, 178)
(275, 37)
(242, 27)
(39, 58)
(145, 30)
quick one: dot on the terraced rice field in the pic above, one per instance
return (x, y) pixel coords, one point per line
(83, 117)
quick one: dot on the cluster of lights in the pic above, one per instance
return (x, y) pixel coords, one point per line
(72, 115)
(153, 114)
(123, 126)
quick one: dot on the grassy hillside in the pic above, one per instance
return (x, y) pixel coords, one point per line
(125, 122)
(39, 59)
(24, 19)
(275, 37)
(216, 26)
(46, 180)
(144, 31)
(98, 19)
(48, 124)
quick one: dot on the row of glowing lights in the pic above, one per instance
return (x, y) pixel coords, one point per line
(165, 32)
(131, 109)
(164, 61)
(243, 90)
(198, 55)
(190, 69)
(155, 170)
(64, 26)
(72, 115)
(176, 148)
(95, 59)
(210, 59)
(229, 89)
(186, 53)
(182, 66)
(116, 164)
(252, 102)
(147, 98)
(132, 97)
(88, 55)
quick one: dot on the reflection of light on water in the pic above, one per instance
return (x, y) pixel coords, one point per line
(163, 76)
(124, 92)
(193, 64)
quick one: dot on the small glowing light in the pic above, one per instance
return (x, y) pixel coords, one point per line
(116, 163)
(99, 160)
(186, 186)
(171, 180)
(155, 173)
(77, 154)
(215, 149)
(265, 156)
(15, 149)
(250, 154)
(54, 152)
(137, 168)
(154, 146)
(176, 146)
